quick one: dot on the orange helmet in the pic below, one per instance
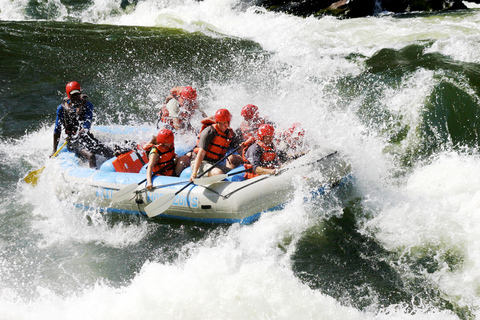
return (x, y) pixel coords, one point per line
(188, 93)
(72, 87)
(165, 136)
(265, 130)
(223, 115)
(249, 111)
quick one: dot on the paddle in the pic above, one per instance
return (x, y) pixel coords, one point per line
(214, 179)
(126, 193)
(209, 180)
(164, 202)
(33, 176)
(306, 164)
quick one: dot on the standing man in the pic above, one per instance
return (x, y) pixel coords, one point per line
(75, 116)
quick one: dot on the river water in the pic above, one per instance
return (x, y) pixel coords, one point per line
(397, 96)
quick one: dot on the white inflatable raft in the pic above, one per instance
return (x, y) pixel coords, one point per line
(233, 200)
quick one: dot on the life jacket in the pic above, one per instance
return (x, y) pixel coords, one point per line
(205, 123)
(165, 164)
(73, 115)
(130, 161)
(219, 145)
(268, 159)
(249, 128)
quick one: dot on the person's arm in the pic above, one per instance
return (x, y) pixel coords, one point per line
(206, 137)
(262, 170)
(152, 159)
(254, 155)
(57, 131)
(56, 139)
(196, 164)
(237, 143)
(88, 116)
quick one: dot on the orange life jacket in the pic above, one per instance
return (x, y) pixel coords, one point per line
(165, 164)
(131, 161)
(219, 145)
(268, 159)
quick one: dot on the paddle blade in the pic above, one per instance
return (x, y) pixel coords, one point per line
(209, 180)
(125, 193)
(160, 205)
(32, 177)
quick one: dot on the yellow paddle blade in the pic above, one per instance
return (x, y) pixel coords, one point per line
(32, 177)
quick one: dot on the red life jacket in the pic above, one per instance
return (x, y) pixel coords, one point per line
(219, 145)
(268, 159)
(165, 164)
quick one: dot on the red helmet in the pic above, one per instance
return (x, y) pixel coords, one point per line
(72, 87)
(223, 115)
(188, 93)
(265, 130)
(165, 136)
(249, 111)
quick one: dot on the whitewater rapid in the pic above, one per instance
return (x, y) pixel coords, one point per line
(430, 209)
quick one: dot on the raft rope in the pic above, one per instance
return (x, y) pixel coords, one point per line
(234, 191)
(139, 199)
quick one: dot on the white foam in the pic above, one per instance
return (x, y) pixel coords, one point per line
(243, 273)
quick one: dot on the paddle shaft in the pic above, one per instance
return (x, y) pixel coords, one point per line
(209, 169)
(164, 202)
(153, 174)
(59, 149)
(32, 176)
(307, 164)
(124, 193)
(202, 174)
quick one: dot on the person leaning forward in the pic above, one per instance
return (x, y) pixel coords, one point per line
(75, 116)
(213, 143)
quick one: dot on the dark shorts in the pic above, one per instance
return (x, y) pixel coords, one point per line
(88, 142)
